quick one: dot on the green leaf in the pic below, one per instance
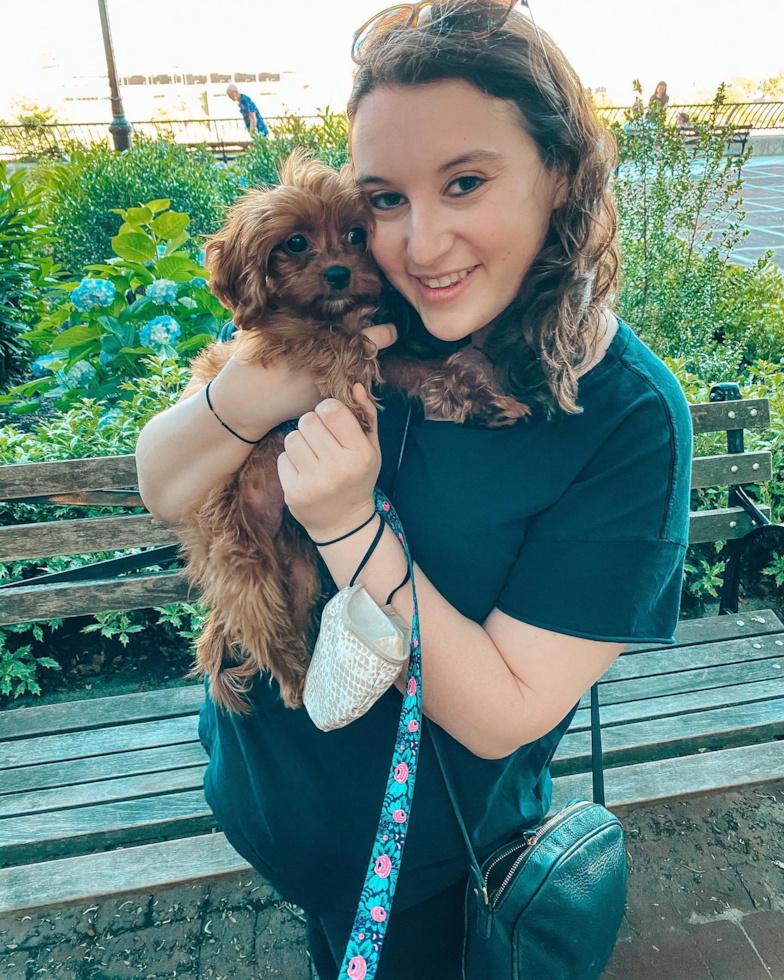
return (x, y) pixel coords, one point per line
(136, 247)
(123, 332)
(139, 216)
(159, 205)
(199, 340)
(178, 267)
(175, 243)
(76, 335)
(170, 224)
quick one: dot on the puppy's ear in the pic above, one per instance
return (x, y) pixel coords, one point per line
(237, 257)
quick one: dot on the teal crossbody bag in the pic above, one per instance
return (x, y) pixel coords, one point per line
(548, 904)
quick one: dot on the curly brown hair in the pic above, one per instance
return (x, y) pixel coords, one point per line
(559, 308)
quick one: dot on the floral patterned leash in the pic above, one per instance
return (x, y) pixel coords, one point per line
(363, 952)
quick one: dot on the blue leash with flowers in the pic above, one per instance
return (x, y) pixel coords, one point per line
(363, 952)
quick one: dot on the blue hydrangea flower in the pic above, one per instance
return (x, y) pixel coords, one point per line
(201, 256)
(105, 358)
(161, 250)
(45, 364)
(93, 292)
(159, 331)
(162, 291)
(198, 282)
(244, 181)
(80, 375)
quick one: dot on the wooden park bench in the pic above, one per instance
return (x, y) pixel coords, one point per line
(105, 796)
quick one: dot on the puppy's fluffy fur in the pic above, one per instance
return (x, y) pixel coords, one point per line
(292, 265)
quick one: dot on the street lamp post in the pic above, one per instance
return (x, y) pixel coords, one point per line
(120, 127)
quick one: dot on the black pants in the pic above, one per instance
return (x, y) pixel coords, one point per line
(424, 941)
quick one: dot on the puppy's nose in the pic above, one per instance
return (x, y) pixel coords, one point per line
(338, 276)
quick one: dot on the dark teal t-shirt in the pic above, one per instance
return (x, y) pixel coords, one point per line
(578, 526)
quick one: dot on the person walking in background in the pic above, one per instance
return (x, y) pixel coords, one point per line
(254, 123)
(660, 95)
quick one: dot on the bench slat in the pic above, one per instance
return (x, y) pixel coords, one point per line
(96, 768)
(670, 660)
(81, 745)
(715, 416)
(193, 859)
(113, 872)
(105, 791)
(758, 622)
(682, 681)
(32, 603)
(662, 738)
(667, 779)
(717, 471)
(71, 716)
(41, 835)
(706, 526)
(82, 537)
(681, 704)
(65, 475)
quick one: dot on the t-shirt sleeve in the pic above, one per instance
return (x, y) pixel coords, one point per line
(605, 561)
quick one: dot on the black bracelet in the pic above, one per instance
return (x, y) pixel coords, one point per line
(250, 442)
(323, 544)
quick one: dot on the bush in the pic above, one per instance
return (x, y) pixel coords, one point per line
(680, 217)
(328, 141)
(25, 272)
(151, 297)
(83, 193)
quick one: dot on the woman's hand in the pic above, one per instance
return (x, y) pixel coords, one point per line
(329, 467)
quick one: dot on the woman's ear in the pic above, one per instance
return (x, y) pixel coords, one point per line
(561, 192)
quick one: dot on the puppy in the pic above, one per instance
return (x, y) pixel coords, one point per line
(292, 265)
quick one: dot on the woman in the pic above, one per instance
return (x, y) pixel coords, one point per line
(541, 548)
(660, 95)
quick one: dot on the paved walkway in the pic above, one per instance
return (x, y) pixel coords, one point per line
(763, 195)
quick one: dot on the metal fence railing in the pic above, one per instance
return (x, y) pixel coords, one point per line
(32, 142)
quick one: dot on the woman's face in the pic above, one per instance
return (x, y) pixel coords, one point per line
(461, 198)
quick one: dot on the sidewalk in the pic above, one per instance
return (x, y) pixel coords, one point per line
(763, 195)
(705, 902)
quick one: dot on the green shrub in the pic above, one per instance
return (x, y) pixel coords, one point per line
(328, 141)
(680, 217)
(26, 272)
(151, 297)
(83, 193)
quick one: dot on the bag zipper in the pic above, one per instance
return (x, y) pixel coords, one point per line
(531, 838)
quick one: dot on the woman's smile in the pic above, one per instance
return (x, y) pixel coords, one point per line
(445, 287)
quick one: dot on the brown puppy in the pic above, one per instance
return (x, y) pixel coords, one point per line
(292, 265)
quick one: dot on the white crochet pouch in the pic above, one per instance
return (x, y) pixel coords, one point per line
(359, 652)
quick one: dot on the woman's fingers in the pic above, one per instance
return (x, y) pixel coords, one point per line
(301, 453)
(382, 334)
(336, 422)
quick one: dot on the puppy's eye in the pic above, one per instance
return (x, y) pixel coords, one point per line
(297, 243)
(357, 236)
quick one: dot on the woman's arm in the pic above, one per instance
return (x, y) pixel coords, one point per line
(493, 687)
(184, 452)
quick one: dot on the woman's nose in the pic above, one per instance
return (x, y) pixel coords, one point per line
(429, 239)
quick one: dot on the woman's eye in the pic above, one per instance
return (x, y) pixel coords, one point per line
(386, 200)
(357, 236)
(464, 185)
(297, 243)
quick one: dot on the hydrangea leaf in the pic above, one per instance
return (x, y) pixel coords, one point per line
(136, 247)
(170, 224)
(76, 335)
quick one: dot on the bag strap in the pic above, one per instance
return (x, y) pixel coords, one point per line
(597, 769)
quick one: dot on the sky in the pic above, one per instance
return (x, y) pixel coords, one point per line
(693, 44)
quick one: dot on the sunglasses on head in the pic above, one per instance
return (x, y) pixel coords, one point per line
(480, 18)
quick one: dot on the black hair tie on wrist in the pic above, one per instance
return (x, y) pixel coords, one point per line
(323, 544)
(250, 442)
